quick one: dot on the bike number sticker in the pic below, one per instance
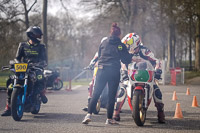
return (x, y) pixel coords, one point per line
(21, 67)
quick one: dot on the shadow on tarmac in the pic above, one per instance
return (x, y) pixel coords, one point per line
(53, 117)
(189, 122)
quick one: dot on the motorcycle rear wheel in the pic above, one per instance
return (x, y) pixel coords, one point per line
(139, 113)
(37, 105)
(57, 85)
(17, 107)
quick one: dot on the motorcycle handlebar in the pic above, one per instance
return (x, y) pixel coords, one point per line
(5, 68)
(36, 67)
(88, 68)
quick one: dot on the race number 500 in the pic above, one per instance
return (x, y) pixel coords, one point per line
(21, 67)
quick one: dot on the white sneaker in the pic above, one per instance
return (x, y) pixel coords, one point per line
(87, 119)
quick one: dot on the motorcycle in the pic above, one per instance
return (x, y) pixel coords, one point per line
(25, 96)
(52, 80)
(140, 89)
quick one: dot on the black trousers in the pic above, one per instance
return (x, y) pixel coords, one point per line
(104, 76)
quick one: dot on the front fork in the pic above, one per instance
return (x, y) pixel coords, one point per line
(24, 86)
(145, 90)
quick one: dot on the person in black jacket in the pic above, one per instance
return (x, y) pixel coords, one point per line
(30, 52)
(110, 53)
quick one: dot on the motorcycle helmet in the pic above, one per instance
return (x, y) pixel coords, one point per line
(34, 33)
(132, 41)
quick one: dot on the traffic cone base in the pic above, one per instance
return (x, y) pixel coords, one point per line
(188, 91)
(174, 98)
(194, 102)
(178, 113)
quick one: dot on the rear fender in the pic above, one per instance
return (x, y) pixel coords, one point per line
(58, 78)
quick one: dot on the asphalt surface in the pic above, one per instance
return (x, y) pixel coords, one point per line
(63, 114)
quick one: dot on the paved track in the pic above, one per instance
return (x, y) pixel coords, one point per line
(63, 114)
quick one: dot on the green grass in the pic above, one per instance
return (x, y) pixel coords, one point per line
(78, 82)
(191, 74)
(3, 80)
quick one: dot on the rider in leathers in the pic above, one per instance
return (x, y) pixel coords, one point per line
(30, 52)
(140, 53)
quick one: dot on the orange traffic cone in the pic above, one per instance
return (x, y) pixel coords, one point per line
(178, 113)
(188, 91)
(194, 102)
(174, 98)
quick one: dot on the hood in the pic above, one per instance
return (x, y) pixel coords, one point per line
(114, 40)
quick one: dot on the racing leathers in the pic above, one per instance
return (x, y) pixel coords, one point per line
(143, 54)
(29, 53)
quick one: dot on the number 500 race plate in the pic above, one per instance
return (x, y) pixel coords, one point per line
(21, 67)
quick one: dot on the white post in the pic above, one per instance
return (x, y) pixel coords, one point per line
(183, 75)
(163, 72)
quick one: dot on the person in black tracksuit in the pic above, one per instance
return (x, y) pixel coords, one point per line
(111, 52)
(33, 52)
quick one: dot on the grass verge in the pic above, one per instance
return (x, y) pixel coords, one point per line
(191, 74)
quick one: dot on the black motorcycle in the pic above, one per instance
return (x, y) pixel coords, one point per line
(25, 96)
(52, 80)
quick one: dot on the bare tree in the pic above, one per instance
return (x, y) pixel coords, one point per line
(26, 11)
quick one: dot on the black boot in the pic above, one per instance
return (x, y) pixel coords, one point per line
(161, 115)
(116, 117)
(43, 97)
(86, 108)
(7, 111)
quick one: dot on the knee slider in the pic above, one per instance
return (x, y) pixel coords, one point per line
(121, 95)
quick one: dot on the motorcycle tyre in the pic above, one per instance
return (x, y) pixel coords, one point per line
(17, 92)
(37, 105)
(58, 86)
(139, 113)
(98, 107)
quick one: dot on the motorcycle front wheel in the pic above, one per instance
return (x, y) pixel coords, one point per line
(17, 107)
(98, 106)
(139, 113)
(57, 84)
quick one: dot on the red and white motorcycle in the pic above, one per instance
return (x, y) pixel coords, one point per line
(140, 89)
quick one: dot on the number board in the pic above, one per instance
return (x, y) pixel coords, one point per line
(21, 67)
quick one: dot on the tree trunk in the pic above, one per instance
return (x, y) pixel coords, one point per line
(162, 33)
(171, 39)
(197, 58)
(190, 44)
(44, 26)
